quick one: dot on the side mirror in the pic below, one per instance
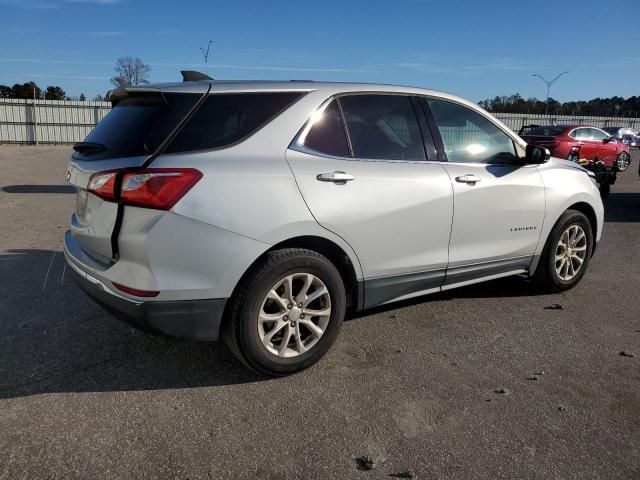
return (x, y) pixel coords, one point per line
(535, 155)
(607, 139)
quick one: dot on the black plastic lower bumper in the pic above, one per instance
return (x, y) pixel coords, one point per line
(187, 319)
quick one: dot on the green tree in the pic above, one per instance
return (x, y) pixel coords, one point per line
(5, 91)
(82, 97)
(54, 93)
(26, 90)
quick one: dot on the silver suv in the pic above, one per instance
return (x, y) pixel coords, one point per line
(264, 212)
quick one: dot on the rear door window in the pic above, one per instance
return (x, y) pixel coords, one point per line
(136, 126)
(225, 119)
(382, 127)
(327, 133)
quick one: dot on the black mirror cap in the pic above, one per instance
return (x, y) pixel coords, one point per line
(607, 139)
(536, 155)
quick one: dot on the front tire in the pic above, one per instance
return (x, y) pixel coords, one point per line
(286, 312)
(623, 161)
(567, 253)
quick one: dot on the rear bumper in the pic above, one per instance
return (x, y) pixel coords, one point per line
(187, 319)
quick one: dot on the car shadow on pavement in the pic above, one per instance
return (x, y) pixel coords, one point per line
(622, 207)
(53, 338)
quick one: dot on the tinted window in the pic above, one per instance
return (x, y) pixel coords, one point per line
(382, 127)
(546, 131)
(597, 134)
(224, 119)
(469, 137)
(327, 133)
(582, 134)
(137, 126)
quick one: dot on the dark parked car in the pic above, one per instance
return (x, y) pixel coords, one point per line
(591, 147)
(624, 135)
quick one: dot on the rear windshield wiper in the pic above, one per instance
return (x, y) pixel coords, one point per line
(89, 147)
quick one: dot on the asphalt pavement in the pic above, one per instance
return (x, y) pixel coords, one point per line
(488, 381)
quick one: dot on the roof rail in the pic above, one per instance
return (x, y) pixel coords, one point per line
(193, 76)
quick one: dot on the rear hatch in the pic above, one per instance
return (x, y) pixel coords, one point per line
(139, 123)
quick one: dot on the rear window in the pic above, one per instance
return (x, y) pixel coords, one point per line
(225, 119)
(545, 131)
(136, 126)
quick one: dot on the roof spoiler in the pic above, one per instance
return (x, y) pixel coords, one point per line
(119, 94)
(193, 76)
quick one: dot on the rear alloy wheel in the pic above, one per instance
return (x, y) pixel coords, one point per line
(566, 254)
(294, 315)
(623, 161)
(286, 312)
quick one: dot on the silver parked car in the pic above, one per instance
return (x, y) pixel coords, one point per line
(264, 212)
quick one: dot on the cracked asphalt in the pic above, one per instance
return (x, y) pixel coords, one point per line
(414, 386)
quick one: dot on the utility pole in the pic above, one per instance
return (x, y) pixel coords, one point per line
(548, 83)
(205, 54)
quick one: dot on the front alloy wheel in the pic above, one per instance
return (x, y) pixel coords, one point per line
(623, 161)
(566, 254)
(570, 252)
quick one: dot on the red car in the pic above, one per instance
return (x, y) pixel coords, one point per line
(589, 146)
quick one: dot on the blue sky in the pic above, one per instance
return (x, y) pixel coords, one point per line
(476, 49)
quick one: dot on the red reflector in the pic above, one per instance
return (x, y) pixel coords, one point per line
(103, 184)
(135, 291)
(158, 188)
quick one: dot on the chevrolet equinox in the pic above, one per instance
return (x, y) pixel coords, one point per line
(264, 212)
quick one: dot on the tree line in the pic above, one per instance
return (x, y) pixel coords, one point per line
(32, 90)
(129, 71)
(614, 106)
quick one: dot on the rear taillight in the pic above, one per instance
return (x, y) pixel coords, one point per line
(103, 184)
(157, 188)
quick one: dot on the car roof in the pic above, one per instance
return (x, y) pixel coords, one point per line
(329, 88)
(569, 126)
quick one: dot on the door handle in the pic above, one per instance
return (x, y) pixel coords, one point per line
(335, 177)
(468, 178)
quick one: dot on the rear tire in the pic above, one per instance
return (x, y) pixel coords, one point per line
(286, 312)
(566, 255)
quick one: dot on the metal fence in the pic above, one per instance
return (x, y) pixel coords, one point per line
(65, 122)
(48, 121)
(517, 120)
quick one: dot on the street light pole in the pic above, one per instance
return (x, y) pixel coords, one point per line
(205, 54)
(548, 83)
